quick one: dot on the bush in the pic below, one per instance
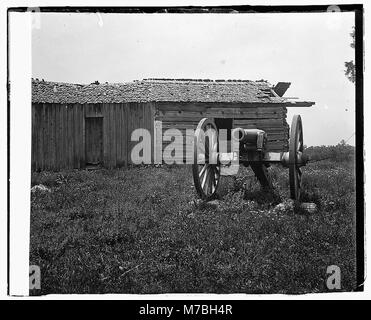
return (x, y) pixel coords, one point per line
(340, 153)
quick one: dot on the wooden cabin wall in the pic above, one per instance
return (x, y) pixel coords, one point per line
(277, 131)
(182, 116)
(59, 130)
(59, 136)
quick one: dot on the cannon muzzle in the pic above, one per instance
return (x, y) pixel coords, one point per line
(249, 136)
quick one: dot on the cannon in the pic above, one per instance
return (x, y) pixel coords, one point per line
(210, 159)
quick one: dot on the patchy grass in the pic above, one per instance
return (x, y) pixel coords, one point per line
(143, 230)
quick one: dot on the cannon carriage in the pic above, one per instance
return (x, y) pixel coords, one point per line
(250, 150)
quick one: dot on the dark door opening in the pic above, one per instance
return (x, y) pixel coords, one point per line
(94, 140)
(226, 124)
(222, 123)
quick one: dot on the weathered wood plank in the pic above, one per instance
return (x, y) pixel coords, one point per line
(65, 136)
(204, 106)
(72, 134)
(105, 135)
(110, 133)
(62, 158)
(117, 134)
(53, 137)
(43, 138)
(211, 111)
(112, 137)
(69, 136)
(145, 125)
(81, 133)
(151, 124)
(129, 114)
(220, 114)
(158, 141)
(83, 151)
(47, 138)
(125, 135)
(32, 138)
(76, 162)
(57, 137)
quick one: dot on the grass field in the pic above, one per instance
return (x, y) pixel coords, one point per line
(142, 230)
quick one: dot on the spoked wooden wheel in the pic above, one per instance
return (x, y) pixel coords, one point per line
(295, 151)
(206, 166)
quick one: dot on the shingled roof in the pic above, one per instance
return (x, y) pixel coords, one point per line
(156, 90)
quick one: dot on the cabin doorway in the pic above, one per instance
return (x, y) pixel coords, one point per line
(222, 123)
(94, 141)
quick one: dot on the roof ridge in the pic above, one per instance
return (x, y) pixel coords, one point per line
(36, 80)
(229, 81)
(197, 80)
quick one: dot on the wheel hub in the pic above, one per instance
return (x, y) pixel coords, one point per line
(301, 159)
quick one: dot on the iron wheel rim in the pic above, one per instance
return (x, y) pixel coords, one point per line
(206, 176)
(295, 145)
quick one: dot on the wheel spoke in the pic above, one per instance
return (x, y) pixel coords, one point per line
(300, 145)
(299, 176)
(206, 185)
(213, 182)
(202, 171)
(205, 176)
(209, 183)
(217, 177)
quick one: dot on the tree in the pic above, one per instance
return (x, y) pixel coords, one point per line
(350, 67)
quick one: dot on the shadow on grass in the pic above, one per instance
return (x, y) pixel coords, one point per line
(263, 196)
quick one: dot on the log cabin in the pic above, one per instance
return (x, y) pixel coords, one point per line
(77, 126)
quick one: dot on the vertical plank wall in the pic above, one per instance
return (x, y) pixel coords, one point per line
(58, 133)
(139, 115)
(57, 136)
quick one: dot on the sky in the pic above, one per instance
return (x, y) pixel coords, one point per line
(306, 49)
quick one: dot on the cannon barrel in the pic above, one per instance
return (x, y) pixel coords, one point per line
(249, 136)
